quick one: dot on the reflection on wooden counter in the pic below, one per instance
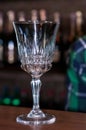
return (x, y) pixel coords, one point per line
(65, 120)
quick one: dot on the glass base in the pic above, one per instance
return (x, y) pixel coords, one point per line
(26, 120)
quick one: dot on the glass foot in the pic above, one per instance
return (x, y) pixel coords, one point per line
(26, 120)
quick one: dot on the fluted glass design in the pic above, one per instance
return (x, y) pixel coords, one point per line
(36, 47)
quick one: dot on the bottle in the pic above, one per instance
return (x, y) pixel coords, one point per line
(79, 23)
(57, 52)
(6, 99)
(43, 15)
(58, 61)
(25, 98)
(11, 52)
(1, 40)
(15, 97)
(11, 55)
(71, 36)
(1, 52)
(21, 16)
(34, 15)
(1, 97)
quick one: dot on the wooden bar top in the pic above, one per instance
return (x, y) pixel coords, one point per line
(65, 120)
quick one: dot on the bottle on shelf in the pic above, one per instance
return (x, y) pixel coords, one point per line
(11, 56)
(79, 23)
(15, 97)
(43, 14)
(6, 97)
(34, 15)
(59, 51)
(71, 36)
(25, 98)
(57, 55)
(1, 97)
(21, 16)
(1, 40)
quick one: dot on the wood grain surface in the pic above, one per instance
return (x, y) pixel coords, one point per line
(64, 120)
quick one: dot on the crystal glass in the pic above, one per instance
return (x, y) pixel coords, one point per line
(36, 47)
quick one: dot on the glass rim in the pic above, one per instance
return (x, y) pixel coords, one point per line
(35, 21)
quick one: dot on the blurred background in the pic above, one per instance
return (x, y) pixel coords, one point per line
(15, 87)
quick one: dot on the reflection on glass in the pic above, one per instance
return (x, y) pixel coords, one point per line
(36, 46)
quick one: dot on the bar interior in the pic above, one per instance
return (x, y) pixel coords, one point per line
(15, 89)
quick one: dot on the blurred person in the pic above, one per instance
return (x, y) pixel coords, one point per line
(76, 72)
(76, 77)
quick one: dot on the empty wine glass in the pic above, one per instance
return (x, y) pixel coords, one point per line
(36, 46)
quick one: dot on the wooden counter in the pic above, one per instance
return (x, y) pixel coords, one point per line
(65, 120)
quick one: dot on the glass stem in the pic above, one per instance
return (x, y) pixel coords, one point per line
(36, 112)
(36, 85)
